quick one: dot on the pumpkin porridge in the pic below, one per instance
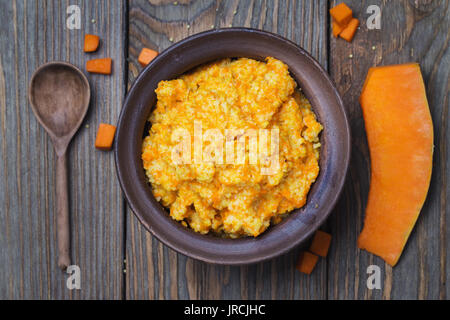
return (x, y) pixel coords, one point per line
(232, 199)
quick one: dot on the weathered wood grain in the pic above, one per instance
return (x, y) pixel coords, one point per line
(155, 271)
(410, 31)
(34, 32)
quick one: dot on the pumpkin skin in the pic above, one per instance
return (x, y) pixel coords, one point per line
(400, 136)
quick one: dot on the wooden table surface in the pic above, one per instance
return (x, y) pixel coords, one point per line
(118, 258)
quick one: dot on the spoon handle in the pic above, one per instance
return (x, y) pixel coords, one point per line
(62, 213)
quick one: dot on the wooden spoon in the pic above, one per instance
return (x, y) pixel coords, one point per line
(59, 94)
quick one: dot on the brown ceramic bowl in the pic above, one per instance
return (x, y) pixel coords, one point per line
(335, 151)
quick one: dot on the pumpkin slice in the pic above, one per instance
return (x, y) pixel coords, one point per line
(400, 135)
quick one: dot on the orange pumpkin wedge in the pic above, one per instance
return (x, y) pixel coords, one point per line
(400, 135)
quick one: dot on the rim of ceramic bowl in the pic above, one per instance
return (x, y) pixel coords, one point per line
(326, 102)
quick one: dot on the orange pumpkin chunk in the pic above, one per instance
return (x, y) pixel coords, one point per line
(91, 42)
(146, 56)
(306, 262)
(341, 14)
(102, 66)
(105, 136)
(336, 29)
(400, 136)
(350, 30)
(320, 243)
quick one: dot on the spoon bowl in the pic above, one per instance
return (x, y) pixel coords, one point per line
(59, 95)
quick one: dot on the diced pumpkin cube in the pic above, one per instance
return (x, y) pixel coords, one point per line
(102, 66)
(350, 30)
(91, 42)
(341, 14)
(336, 29)
(320, 243)
(105, 136)
(306, 262)
(146, 56)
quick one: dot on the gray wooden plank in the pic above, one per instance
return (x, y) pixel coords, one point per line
(34, 32)
(155, 271)
(410, 31)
